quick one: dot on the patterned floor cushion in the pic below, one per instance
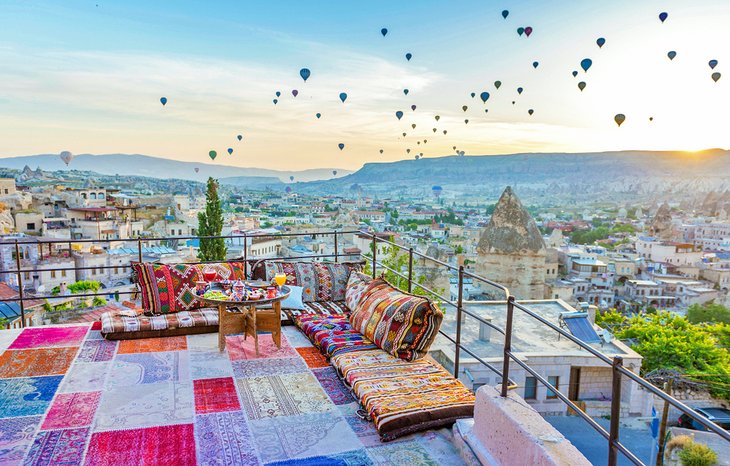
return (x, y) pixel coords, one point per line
(322, 281)
(116, 325)
(312, 325)
(332, 343)
(404, 397)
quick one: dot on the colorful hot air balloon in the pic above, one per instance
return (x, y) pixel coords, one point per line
(294, 92)
(581, 85)
(619, 118)
(318, 115)
(713, 64)
(445, 131)
(304, 73)
(66, 156)
(464, 107)
(212, 154)
(240, 136)
(575, 73)
(409, 55)
(671, 54)
(473, 94)
(600, 41)
(520, 31)
(528, 31)
(399, 114)
(413, 107)
(466, 122)
(343, 97)
(484, 96)
(585, 64)
(663, 16)
(230, 151)
(505, 13)
(436, 190)
(334, 172)
(197, 169)
(384, 31)
(381, 151)
(163, 101)
(716, 76)
(341, 146)
(278, 93)
(437, 117)
(276, 101)
(434, 130)
(413, 126)
(519, 90)
(408, 151)
(291, 178)
(497, 84)
(535, 64)
(651, 118)
(530, 111)
(404, 134)
(405, 91)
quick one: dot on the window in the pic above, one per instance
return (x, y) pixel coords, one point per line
(530, 388)
(63, 273)
(26, 275)
(53, 274)
(93, 271)
(30, 226)
(554, 380)
(116, 270)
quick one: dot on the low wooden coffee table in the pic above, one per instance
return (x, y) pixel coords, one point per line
(249, 318)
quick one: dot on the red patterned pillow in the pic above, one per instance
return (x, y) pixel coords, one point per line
(170, 288)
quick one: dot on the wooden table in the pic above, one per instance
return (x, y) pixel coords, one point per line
(249, 318)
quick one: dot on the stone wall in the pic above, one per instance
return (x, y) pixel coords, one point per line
(524, 275)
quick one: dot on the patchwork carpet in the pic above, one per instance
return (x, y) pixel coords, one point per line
(69, 397)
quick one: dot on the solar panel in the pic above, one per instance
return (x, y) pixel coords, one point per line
(582, 329)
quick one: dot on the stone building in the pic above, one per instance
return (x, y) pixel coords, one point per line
(511, 250)
(661, 226)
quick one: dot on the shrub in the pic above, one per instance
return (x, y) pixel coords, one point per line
(697, 454)
(84, 286)
(708, 312)
(98, 301)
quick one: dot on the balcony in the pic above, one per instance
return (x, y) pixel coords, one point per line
(68, 395)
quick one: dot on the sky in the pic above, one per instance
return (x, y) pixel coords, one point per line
(87, 76)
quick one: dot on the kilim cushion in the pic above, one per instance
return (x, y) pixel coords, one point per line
(322, 281)
(114, 322)
(400, 324)
(404, 397)
(357, 284)
(167, 289)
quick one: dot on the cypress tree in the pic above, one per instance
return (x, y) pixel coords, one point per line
(210, 223)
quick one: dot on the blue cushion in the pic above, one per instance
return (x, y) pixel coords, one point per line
(294, 300)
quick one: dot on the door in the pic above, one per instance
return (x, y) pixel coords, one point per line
(574, 384)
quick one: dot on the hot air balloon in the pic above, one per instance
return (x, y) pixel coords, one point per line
(513, 102)
(418, 157)
(66, 156)
(404, 134)
(473, 94)
(600, 41)
(318, 115)
(405, 91)
(291, 178)
(278, 93)
(334, 172)
(484, 96)
(230, 151)
(575, 73)
(585, 64)
(528, 31)
(384, 31)
(486, 110)
(408, 151)
(581, 85)
(671, 54)
(519, 90)
(716, 76)
(535, 64)
(288, 189)
(436, 190)
(466, 122)
(381, 151)
(413, 126)
(413, 108)
(240, 136)
(619, 118)
(713, 64)
(505, 13)
(304, 73)
(212, 154)
(651, 118)
(464, 107)
(276, 101)
(497, 84)
(409, 55)
(341, 146)
(663, 16)
(434, 130)
(530, 111)
(445, 131)
(399, 114)
(520, 31)
(294, 92)
(343, 97)
(461, 153)
(437, 117)
(163, 101)
(197, 169)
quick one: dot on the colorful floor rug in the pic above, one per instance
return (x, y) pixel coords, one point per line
(69, 397)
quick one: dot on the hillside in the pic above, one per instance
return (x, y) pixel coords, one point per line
(158, 167)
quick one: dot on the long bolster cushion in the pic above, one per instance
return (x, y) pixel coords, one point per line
(332, 334)
(322, 281)
(127, 324)
(399, 323)
(404, 397)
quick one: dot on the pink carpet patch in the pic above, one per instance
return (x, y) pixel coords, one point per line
(215, 395)
(72, 410)
(238, 348)
(152, 446)
(50, 337)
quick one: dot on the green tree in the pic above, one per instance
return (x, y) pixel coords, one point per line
(708, 312)
(210, 223)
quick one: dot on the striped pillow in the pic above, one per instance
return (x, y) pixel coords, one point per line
(400, 324)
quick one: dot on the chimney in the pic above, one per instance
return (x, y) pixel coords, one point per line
(485, 331)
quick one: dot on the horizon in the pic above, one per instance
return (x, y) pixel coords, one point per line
(88, 79)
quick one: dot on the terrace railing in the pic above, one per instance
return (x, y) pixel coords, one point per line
(618, 371)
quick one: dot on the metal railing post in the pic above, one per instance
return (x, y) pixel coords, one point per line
(20, 284)
(337, 258)
(375, 255)
(410, 270)
(245, 256)
(507, 345)
(459, 309)
(139, 250)
(613, 433)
